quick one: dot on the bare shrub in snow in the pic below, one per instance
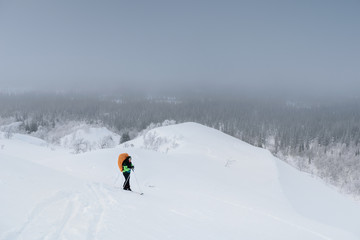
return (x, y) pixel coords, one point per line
(229, 162)
(168, 123)
(127, 145)
(9, 133)
(81, 146)
(154, 142)
(107, 142)
(156, 125)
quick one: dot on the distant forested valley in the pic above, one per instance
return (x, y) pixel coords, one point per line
(318, 137)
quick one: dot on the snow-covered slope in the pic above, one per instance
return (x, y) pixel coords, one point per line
(89, 138)
(198, 183)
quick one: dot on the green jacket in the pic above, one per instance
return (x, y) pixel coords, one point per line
(127, 165)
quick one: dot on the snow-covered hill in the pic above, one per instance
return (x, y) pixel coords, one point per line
(89, 138)
(198, 183)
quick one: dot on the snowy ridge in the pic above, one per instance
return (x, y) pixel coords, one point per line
(198, 182)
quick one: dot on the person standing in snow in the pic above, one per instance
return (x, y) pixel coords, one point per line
(125, 165)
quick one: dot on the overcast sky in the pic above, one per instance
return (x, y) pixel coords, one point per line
(302, 46)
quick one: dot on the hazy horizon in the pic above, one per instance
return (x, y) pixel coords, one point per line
(303, 48)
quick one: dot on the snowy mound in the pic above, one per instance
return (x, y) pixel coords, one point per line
(198, 183)
(186, 137)
(22, 138)
(89, 138)
(12, 127)
(30, 139)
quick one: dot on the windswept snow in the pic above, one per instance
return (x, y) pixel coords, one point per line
(198, 182)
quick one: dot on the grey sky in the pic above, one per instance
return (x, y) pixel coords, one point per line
(296, 46)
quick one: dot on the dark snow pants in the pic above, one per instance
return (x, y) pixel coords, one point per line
(126, 185)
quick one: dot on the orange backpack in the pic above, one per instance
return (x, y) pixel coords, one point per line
(121, 159)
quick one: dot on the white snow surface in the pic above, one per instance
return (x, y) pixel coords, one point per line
(198, 183)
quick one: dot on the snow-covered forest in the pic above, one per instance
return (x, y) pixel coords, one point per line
(322, 138)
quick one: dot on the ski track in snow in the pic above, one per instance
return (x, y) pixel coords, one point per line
(88, 206)
(37, 211)
(67, 214)
(100, 209)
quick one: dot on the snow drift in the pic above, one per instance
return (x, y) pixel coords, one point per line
(198, 182)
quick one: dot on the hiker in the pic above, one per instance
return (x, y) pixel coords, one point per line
(125, 166)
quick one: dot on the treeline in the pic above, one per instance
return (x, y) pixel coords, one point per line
(321, 138)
